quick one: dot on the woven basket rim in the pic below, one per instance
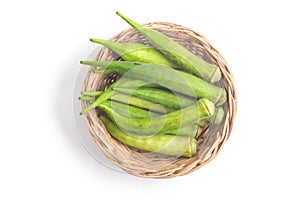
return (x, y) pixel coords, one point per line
(128, 158)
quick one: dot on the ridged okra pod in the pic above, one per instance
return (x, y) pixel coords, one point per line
(117, 96)
(164, 144)
(203, 109)
(135, 52)
(177, 53)
(172, 79)
(129, 111)
(160, 96)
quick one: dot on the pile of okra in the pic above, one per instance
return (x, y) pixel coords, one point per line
(164, 97)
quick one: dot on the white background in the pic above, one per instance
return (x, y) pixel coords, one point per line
(41, 43)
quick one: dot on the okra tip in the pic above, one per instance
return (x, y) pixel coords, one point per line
(120, 14)
(99, 41)
(85, 62)
(86, 110)
(129, 21)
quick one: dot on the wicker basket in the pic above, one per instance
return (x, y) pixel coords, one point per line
(153, 165)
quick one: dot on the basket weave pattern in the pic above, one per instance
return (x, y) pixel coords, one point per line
(152, 165)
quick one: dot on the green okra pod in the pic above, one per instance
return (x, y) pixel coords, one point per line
(87, 98)
(136, 113)
(191, 130)
(174, 80)
(140, 103)
(164, 144)
(125, 82)
(124, 98)
(129, 111)
(104, 96)
(125, 109)
(203, 109)
(177, 53)
(91, 93)
(135, 52)
(160, 96)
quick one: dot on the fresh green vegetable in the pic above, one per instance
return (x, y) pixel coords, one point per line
(164, 97)
(129, 111)
(203, 109)
(137, 113)
(160, 96)
(191, 130)
(177, 53)
(106, 65)
(126, 110)
(91, 93)
(174, 80)
(123, 98)
(104, 96)
(140, 103)
(104, 71)
(165, 144)
(125, 82)
(136, 52)
(87, 98)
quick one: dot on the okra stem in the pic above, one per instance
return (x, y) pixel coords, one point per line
(135, 52)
